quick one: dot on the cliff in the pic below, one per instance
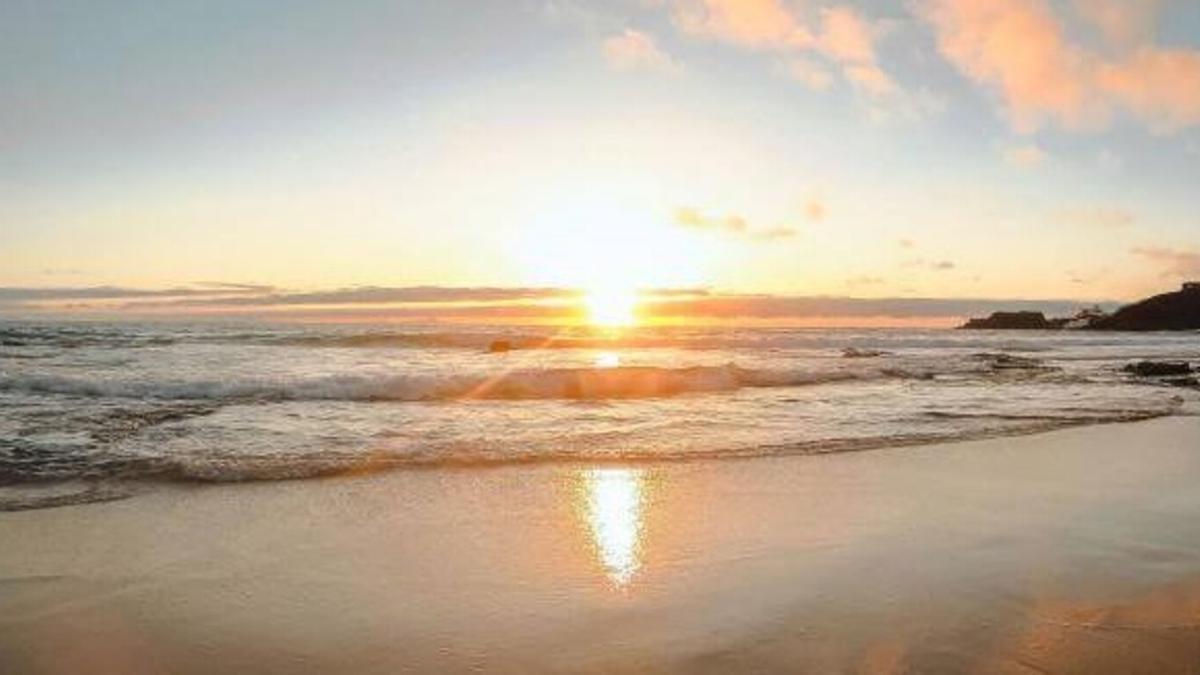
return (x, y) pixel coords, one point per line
(1170, 311)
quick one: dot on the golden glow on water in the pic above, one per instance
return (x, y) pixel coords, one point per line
(608, 360)
(613, 502)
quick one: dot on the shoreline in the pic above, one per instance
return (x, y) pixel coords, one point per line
(96, 490)
(1072, 550)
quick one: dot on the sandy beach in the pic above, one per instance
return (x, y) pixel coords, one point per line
(1070, 551)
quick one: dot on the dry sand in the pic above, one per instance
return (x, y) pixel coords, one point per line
(1072, 551)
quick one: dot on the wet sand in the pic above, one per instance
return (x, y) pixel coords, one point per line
(1071, 551)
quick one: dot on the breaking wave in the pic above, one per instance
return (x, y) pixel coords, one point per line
(554, 383)
(38, 486)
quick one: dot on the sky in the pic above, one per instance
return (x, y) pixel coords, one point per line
(170, 152)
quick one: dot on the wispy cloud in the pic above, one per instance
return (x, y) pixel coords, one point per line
(1173, 262)
(838, 34)
(809, 73)
(504, 304)
(635, 50)
(863, 280)
(935, 265)
(1101, 217)
(732, 224)
(766, 307)
(815, 210)
(1027, 155)
(25, 294)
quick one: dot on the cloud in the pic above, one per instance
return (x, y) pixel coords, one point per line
(228, 286)
(845, 36)
(863, 280)
(1122, 23)
(815, 210)
(810, 74)
(261, 295)
(1028, 155)
(55, 293)
(552, 304)
(1098, 217)
(760, 24)
(635, 50)
(869, 78)
(732, 224)
(1174, 262)
(1017, 48)
(1020, 50)
(794, 307)
(410, 294)
(942, 266)
(1161, 86)
(780, 232)
(842, 36)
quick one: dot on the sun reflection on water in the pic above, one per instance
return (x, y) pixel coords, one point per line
(608, 360)
(613, 504)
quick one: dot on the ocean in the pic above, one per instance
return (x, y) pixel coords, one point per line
(103, 406)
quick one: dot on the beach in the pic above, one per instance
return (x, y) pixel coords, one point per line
(1076, 550)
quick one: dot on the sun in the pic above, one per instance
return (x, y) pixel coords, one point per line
(611, 307)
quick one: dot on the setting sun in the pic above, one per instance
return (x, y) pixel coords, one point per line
(612, 307)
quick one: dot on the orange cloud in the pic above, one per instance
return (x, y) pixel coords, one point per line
(869, 79)
(1160, 86)
(815, 210)
(843, 36)
(730, 224)
(751, 23)
(635, 50)
(1019, 49)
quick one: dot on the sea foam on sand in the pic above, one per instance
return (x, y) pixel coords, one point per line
(1070, 551)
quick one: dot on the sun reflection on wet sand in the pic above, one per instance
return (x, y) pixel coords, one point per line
(612, 502)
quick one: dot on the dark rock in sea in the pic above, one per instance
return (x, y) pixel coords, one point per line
(1170, 311)
(1181, 381)
(1158, 368)
(1010, 362)
(499, 346)
(1015, 321)
(853, 353)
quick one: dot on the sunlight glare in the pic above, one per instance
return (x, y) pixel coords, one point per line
(611, 307)
(614, 515)
(608, 360)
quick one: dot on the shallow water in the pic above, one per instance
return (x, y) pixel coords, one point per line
(226, 402)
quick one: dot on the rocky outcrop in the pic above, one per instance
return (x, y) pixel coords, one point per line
(855, 353)
(1158, 368)
(1171, 373)
(1170, 311)
(1015, 321)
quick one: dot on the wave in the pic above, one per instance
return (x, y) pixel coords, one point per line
(554, 383)
(33, 496)
(42, 487)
